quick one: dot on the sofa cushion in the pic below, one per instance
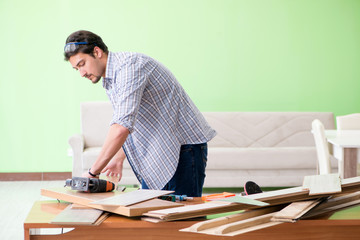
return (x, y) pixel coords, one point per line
(265, 129)
(95, 122)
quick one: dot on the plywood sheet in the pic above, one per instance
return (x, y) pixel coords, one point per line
(86, 199)
(131, 198)
(75, 216)
(322, 184)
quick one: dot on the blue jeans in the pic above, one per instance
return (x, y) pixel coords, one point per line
(190, 173)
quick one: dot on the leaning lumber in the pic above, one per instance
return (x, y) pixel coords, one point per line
(295, 210)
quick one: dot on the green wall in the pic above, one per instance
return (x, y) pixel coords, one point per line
(230, 55)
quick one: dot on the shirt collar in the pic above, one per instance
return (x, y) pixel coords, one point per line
(110, 72)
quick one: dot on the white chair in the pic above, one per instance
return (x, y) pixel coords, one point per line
(348, 122)
(322, 148)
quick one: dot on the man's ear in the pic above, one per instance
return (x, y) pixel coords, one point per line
(98, 52)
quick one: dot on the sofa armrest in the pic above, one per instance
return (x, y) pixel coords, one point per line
(77, 145)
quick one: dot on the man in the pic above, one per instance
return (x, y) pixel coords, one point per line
(155, 123)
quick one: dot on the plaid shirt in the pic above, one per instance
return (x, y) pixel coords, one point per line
(149, 101)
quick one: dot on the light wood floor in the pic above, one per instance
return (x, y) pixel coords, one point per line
(16, 200)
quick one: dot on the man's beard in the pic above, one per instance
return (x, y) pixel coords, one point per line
(97, 79)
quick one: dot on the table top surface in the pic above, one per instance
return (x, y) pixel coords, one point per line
(43, 212)
(344, 138)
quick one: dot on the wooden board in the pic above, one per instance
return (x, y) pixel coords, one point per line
(73, 216)
(86, 199)
(217, 222)
(295, 210)
(132, 197)
(238, 227)
(191, 211)
(322, 184)
(244, 200)
(333, 204)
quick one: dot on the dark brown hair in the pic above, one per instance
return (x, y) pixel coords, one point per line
(85, 36)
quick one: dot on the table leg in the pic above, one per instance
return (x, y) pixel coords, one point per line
(338, 153)
(350, 162)
(26, 233)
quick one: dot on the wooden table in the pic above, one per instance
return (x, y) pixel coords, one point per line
(345, 147)
(346, 226)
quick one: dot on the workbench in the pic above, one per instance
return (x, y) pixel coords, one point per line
(344, 224)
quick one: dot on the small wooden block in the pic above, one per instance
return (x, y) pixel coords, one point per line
(322, 184)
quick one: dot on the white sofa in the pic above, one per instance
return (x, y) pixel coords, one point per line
(270, 148)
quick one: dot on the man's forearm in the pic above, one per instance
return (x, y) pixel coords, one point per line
(115, 139)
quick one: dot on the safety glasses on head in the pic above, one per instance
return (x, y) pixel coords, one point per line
(72, 46)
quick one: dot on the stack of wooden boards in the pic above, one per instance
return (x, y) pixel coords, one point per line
(90, 207)
(319, 194)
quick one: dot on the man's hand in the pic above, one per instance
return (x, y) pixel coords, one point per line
(114, 168)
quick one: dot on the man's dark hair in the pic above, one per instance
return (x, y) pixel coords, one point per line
(85, 36)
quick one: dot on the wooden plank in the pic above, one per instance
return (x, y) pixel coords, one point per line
(295, 210)
(244, 200)
(243, 224)
(86, 199)
(237, 227)
(131, 198)
(209, 224)
(73, 216)
(332, 209)
(322, 184)
(191, 211)
(334, 203)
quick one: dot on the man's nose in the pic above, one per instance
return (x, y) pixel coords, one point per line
(82, 73)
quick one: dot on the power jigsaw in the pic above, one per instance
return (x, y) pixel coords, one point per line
(92, 185)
